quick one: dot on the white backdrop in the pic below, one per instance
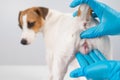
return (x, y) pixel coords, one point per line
(12, 52)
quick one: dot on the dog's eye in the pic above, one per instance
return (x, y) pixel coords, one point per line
(31, 24)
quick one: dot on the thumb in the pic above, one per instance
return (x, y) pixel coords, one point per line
(77, 73)
(92, 32)
(75, 13)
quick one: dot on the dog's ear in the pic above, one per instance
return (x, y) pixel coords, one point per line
(38, 12)
(19, 19)
(42, 11)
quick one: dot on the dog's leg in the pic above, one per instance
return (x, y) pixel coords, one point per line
(60, 65)
(49, 59)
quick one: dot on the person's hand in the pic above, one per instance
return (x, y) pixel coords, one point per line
(94, 66)
(109, 19)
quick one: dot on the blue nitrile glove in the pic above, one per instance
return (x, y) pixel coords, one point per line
(109, 19)
(94, 66)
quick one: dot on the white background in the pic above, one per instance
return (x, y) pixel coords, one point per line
(12, 52)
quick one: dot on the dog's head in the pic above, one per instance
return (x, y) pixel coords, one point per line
(31, 21)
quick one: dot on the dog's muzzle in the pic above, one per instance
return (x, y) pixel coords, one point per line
(24, 42)
(27, 37)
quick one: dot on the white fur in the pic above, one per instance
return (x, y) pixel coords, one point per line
(61, 34)
(27, 34)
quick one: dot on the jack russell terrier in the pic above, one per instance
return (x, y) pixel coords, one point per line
(61, 33)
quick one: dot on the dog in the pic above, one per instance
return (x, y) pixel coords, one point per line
(61, 32)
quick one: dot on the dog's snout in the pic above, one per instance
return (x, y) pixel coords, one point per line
(24, 41)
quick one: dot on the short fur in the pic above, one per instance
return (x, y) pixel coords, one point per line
(61, 34)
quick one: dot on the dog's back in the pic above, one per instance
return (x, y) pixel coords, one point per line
(85, 21)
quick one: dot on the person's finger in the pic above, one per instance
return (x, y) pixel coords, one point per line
(77, 73)
(94, 15)
(115, 68)
(97, 7)
(94, 57)
(75, 13)
(88, 58)
(93, 32)
(99, 54)
(75, 3)
(116, 76)
(81, 60)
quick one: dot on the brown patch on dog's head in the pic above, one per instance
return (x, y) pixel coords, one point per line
(35, 17)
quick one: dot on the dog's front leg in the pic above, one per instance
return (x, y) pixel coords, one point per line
(60, 65)
(49, 58)
(59, 68)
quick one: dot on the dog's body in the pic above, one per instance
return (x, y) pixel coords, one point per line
(61, 34)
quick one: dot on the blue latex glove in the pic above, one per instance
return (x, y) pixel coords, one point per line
(94, 66)
(109, 19)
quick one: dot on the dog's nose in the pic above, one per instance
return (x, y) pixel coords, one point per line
(24, 41)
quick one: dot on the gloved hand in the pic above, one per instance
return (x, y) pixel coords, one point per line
(94, 66)
(109, 19)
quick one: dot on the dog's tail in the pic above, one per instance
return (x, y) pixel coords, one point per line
(85, 12)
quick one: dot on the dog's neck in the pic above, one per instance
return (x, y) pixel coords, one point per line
(51, 19)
